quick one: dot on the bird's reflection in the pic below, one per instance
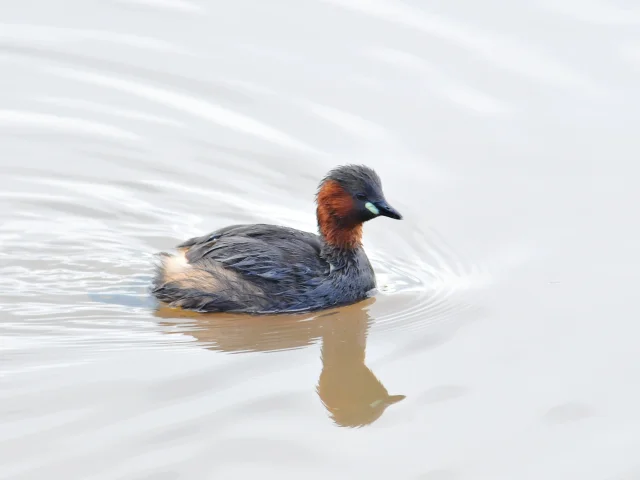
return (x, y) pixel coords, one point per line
(350, 392)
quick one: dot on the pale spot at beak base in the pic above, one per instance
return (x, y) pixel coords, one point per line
(372, 208)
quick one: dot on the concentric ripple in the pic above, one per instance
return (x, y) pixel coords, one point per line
(128, 179)
(113, 157)
(81, 258)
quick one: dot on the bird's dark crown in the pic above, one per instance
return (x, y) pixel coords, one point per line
(356, 179)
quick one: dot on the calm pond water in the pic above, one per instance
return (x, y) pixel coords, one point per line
(502, 343)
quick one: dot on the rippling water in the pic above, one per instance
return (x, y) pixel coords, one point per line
(502, 342)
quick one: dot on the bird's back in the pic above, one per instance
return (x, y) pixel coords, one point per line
(244, 268)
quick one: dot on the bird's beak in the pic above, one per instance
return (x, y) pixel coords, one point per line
(387, 210)
(394, 399)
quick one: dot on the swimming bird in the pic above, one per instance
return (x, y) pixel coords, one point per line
(262, 268)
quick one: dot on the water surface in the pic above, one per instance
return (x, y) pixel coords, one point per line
(502, 343)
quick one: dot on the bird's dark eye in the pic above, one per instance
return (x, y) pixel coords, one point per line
(361, 196)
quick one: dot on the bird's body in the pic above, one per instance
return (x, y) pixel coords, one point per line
(269, 269)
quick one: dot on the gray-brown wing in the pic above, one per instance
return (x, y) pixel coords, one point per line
(263, 254)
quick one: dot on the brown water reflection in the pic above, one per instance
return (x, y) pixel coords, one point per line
(351, 393)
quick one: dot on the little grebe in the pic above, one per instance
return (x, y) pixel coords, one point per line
(270, 269)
